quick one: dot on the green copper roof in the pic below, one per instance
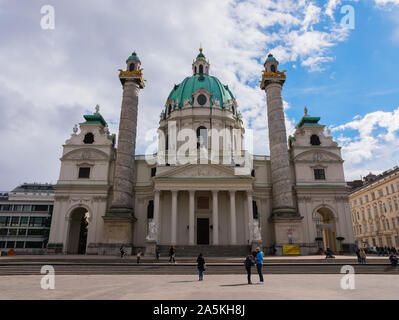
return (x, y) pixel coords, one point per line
(308, 121)
(190, 85)
(133, 57)
(270, 58)
(95, 118)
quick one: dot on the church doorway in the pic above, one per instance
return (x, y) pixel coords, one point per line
(78, 228)
(325, 225)
(203, 231)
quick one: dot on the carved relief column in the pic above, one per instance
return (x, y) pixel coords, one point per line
(233, 218)
(191, 218)
(215, 217)
(173, 224)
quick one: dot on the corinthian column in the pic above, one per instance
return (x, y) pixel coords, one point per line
(272, 82)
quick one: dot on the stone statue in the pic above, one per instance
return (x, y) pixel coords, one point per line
(106, 129)
(152, 231)
(187, 103)
(216, 102)
(256, 231)
(75, 129)
(328, 131)
(306, 112)
(97, 109)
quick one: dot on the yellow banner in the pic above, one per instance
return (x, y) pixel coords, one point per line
(293, 249)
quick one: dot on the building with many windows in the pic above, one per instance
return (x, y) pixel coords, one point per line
(375, 210)
(25, 218)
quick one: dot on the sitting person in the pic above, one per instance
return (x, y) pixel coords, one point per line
(393, 259)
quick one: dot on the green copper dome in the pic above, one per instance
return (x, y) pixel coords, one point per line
(133, 57)
(185, 90)
(270, 58)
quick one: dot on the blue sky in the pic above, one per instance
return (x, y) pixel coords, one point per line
(50, 78)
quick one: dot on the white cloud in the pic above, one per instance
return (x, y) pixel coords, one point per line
(386, 2)
(74, 67)
(374, 146)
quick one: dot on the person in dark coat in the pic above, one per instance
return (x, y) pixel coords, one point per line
(249, 262)
(172, 254)
(393, 259)
(329, 253)
(358, 255)
(200, 266)
(122, 251)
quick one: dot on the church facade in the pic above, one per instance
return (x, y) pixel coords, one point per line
(201, 191)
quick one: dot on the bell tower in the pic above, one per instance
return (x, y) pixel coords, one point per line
(119, 219)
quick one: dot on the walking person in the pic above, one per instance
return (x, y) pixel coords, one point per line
(249, 262)
(139, 257)
(259, 264)
(157, 254)
(122, 251)
(172, 254)
(359, 260)
(329, 253)
(201, 266)
(362, 255)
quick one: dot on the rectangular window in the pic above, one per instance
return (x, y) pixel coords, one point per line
(12, 232)
(380, 193)
(392, 188)
(41, 208)
(37, 222)
(388, 225)
(19, 244)
(17, 207)
(371, 227)
(389, 241)
(6, 207)
(10, 244)
(24, 221)
(36, 232)
(367, 198)
(22, 232)
(374, 242)
(363, 216)
(369, 212)
(390, 206)
(2, 244)
(361, 200)
(387, 190)
(393, 223)
(373, 196)
(4, 221)
(14, 221)
(26, 207)
(3, 231)
(84, 173)
(33, 244)
(319, 174)
(380, 242)
(153, 171)
(396, 204)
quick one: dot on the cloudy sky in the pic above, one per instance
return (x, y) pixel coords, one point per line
(50, 78)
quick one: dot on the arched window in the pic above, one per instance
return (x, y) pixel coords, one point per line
(89, 138)
(273, 68)
(202, 137)
(201, 69)
(255, 210)
(253, 172)
(232, 109)
(195, 70)
(314, 140)
(150, 210)
(131, 67)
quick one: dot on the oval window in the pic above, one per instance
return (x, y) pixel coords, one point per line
(201, 99)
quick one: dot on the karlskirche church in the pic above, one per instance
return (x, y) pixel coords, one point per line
(294, 201)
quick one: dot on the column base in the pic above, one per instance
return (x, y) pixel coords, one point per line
(118, 227)
(108, 249)
(150, 248)
(288, 231)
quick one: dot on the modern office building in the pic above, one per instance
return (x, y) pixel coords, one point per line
(25, 218)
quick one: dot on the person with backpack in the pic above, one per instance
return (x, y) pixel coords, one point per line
(249, 262)
(122, 251)
(200, 266)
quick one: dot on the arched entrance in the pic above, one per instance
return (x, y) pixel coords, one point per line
(78, 227)
(325, 227)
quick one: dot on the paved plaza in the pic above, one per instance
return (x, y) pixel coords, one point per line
(147, 287)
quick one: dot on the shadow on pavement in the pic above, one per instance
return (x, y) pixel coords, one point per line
(183, 281)
(234, 285)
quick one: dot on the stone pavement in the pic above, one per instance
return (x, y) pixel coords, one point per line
(214, 287)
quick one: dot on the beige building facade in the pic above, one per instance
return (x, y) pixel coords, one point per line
(202, 190)
(375, 210)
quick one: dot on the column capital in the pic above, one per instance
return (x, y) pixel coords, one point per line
(250, 193)
(174, 192)
(191, 192)
(215, 191)
(232, 192)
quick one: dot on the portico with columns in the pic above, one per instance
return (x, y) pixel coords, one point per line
(214, 208)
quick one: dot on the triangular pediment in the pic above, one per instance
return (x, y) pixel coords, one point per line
(200, 171)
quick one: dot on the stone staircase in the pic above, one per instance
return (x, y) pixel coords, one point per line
(206, 250)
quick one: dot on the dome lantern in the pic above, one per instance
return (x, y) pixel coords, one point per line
(200, 65)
